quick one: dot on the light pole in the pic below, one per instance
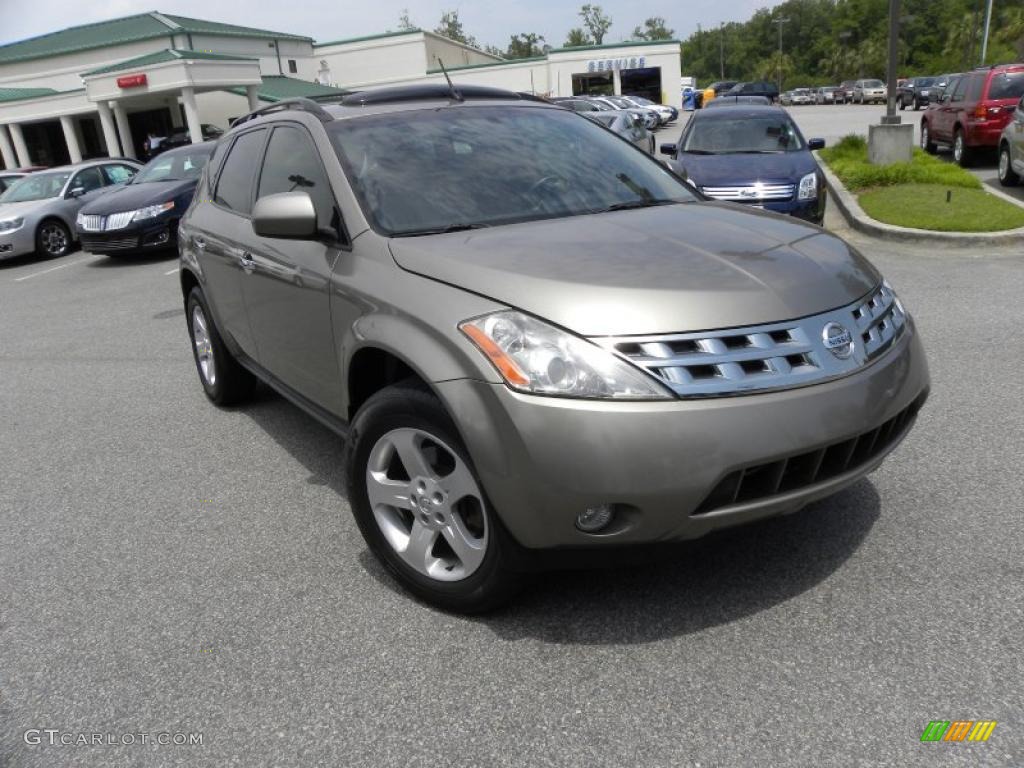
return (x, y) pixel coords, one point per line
(721, 47)
(780, 22)
(891, 118)
(984, 39)
(891, 141)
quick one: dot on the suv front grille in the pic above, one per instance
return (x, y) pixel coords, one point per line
(762, 481)
(752, 193)
(767, 357)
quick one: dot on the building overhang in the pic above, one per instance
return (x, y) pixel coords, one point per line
(47, 107)
(200, 74)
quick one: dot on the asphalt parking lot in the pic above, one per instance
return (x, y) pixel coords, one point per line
(168, 567)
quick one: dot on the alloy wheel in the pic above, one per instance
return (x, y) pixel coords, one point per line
(204, 347)
(54, 239)
(1004, 164)
(958, 148)
(427, 504)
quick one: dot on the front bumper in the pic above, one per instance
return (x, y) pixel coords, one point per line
(17, 243)
(543, 460)
(152, 236)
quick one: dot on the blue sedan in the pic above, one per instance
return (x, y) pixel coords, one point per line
(754, 155)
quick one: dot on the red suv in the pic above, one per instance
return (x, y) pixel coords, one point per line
(973, 110)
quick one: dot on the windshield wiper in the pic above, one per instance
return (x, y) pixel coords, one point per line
(438, 230)
(631, 204)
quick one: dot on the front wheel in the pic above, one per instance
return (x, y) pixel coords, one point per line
(1007, 176)
(224, 380)
(903, 104)
(419, 505)
(53, 239)
(926, 140)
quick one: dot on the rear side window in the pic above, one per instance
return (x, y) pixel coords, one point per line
(1006, 85)
(118, 174)
(975, 83)
(959, 87)
(293, 164)
(234, 185)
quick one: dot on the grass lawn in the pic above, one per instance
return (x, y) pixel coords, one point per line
(914, 194)
(924, 206)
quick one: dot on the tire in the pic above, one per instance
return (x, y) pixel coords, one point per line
(903, 104)
(224, 380)
(53, 239)
(961, 152)
(917, 104)
(926, 139)
(451, 553)
(1007, 176)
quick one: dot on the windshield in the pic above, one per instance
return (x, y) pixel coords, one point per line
(38, 186)
(874, 84)
(926, 81)
(419, 172)
(174, 166)
(1008, 85)
(758, 133)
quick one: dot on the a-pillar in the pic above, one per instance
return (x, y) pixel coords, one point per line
(109, 132)
(121, 118)
(195, 129)
(7, 149)
(74, 150)
(24, 159)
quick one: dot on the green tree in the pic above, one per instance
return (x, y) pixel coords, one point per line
(451, 27)
(525, 46)
(653, 29)
(596, 22)
(405, 24)
(577, 38)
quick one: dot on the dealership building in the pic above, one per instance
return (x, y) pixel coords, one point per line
(100, 89)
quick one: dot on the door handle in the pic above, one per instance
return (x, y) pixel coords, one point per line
(247, 263)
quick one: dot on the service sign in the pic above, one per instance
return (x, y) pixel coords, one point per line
(609, 65)
(131, 81)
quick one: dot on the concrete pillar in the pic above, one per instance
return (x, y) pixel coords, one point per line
(175, 108)
(121, 118)
(7, 149)
(19, 145)
(195, 130)
(74, 150)
(617, 80)
(252, 93)
(109, 133)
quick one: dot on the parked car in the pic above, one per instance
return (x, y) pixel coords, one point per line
(9, 177)
(142, 216)
(870, 91)
(517, 344)
(580, 105)
(752, 155)
(755, 88)
(182, 137)
(667, 113)
(730, 101)
(1011, 149)
(628, 126)
(37, 213)
(650, 117)
(801, 97)
(786, 98)
(708, 94)
(844, 93)
(973, 111)
(916, 92)
(826, 95)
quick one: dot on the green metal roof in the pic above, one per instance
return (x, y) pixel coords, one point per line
(128, 29)
(279, 87)
(381, 36)
(169, 54)
(495, 63)
(16, 94)
(624, 44)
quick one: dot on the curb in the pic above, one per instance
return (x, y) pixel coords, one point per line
(857, 219)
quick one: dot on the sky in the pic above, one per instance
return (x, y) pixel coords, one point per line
(489, 22)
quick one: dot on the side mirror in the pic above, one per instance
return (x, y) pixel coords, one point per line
(668, 149)
(815, 144)
(76, 192)
(285, 215)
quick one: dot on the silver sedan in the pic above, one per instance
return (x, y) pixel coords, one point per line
(37, 212)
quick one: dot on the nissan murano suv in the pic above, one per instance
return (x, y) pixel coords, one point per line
(535, 338)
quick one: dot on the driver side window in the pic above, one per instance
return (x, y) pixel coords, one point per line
(89, 179)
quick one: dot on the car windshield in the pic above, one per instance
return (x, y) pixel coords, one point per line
(1007, 85)
(926, 81)
(746, 134)
(874, 84)
(38, 186)
(423, 172)
(174, 166)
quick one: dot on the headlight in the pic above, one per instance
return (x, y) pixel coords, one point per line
(9, 225)
(809, 187)
(151, 210)
(534, 357)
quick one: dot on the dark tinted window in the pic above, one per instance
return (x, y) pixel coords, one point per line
(974, 85)
(957, 88)
(89, 179)
(1008, 85)
(234, 185)
(768, 133)
(292, 67)
(293, 164)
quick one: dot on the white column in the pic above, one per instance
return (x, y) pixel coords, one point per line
(252, 92)
(19, 145)
(7, 149)
(71, 138)
(617, 80)
(175, 114)
(109, 132)
(195, 130)
(121, 118)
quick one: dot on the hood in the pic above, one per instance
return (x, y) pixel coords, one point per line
(677, 268)
(727, 170)
(10, 210)
(133, 196)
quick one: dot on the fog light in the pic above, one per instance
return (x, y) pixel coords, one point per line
(593, 519)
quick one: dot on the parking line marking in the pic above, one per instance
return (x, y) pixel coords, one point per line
(171, 271)
(54, 269)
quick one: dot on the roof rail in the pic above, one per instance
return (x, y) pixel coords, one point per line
(301, 104)
(425, 92)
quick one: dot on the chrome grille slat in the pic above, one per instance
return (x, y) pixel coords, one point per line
(736, 361)
(92, 223)
(751, 193)
(119, 220)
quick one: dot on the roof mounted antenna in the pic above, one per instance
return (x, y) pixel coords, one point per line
(454, 91)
